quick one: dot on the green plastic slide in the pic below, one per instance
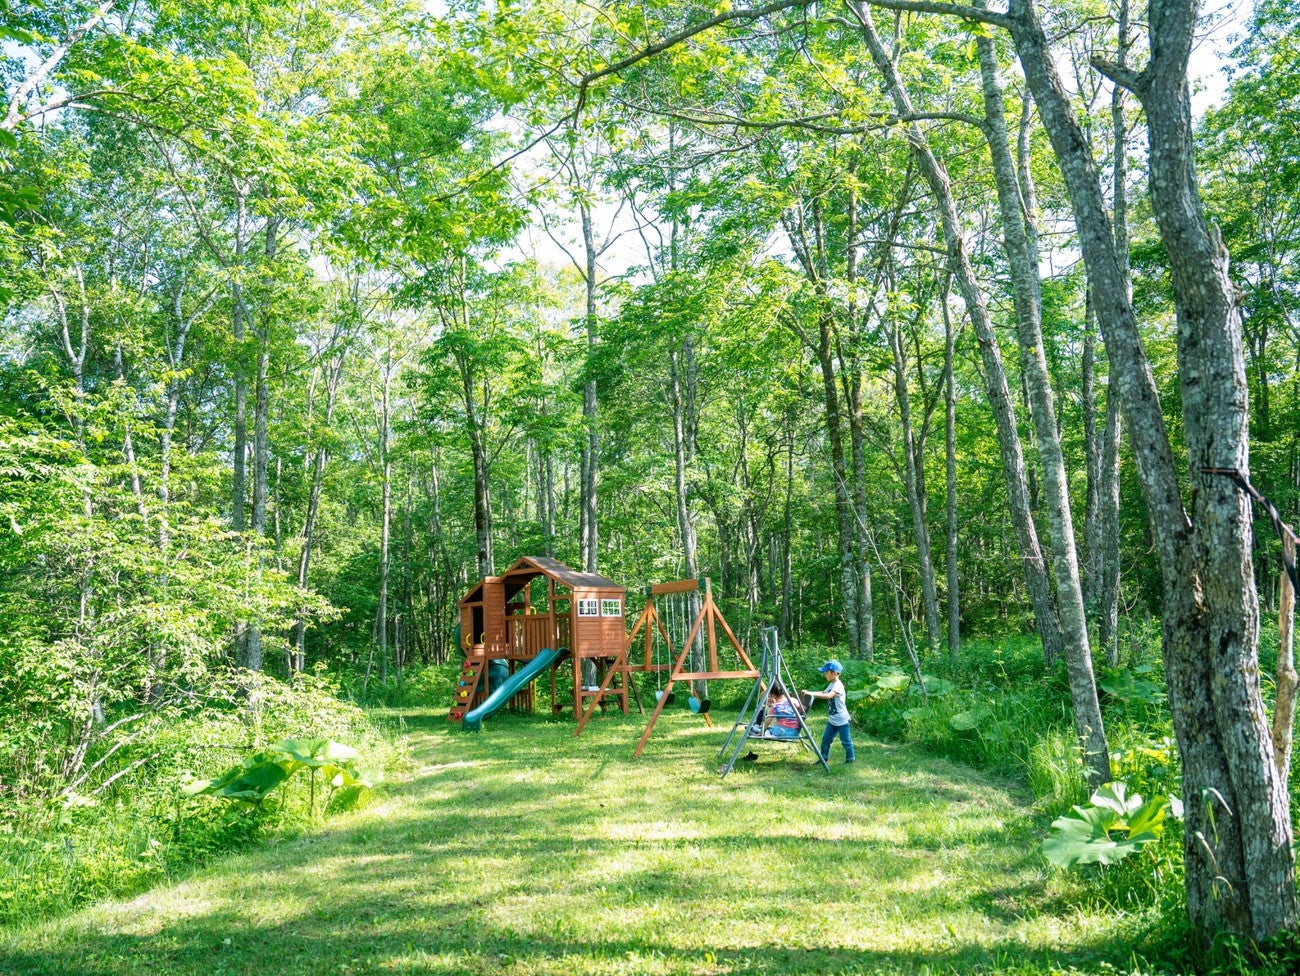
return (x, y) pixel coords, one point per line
(473, 719)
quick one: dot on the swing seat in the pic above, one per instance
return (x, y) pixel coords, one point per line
(700, 705)
(774, 734)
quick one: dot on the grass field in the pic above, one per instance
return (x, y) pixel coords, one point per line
(523, 850)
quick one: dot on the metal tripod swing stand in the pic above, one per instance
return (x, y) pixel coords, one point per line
(749, 726)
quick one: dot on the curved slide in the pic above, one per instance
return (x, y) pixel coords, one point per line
(473, 719)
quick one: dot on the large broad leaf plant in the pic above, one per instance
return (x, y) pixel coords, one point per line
(1111, 827)
(254, 779)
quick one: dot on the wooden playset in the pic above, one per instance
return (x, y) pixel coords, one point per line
(539, 612)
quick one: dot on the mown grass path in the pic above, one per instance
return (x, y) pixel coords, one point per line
(523, 850)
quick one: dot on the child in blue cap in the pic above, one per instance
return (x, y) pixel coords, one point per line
(837, 720)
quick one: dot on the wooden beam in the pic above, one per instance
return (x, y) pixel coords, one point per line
(676, 586)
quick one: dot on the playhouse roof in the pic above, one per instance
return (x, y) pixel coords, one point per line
(530, 566)
(562, 573)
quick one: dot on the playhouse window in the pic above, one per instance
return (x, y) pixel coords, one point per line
(611, 608)
(588, 608)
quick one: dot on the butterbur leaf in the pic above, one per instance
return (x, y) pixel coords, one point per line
(1109, 830)
(1074, 841)
(1101, 820)
(315, 752)
(339, 776)
(1113, 797)
(1148, 818)
(253, 784)
(937, 686)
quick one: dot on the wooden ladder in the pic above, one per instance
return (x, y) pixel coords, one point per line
(462, 696)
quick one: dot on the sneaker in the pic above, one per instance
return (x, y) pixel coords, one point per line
(847, 761)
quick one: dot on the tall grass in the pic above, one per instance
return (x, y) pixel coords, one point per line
(119, 834)
(998, 707)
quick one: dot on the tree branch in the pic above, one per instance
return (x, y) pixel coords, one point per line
(962, 11)
(1124, 77)
(671, 41)
(14, 115)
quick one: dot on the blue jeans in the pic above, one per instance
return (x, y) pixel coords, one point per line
(843, 732)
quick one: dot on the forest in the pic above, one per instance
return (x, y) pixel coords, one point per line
(958, 341)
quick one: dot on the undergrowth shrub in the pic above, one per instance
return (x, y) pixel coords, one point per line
(429, 686)
(998, 707)
(1184, 948)
(129, 825)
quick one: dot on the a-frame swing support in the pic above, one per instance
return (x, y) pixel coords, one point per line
(772, 670)
(707, 621)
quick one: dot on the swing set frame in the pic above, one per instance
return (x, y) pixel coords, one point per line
(707, 622)
(773, 672)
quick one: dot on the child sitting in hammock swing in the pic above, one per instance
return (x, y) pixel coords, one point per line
(782, 720)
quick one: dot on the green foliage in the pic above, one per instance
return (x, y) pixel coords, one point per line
(429, 686)
(997, 708)
(254, 779)
(1111, 827)
(129, 824)
(1224, 954)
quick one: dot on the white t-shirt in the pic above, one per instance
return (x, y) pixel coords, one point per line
(839, 710)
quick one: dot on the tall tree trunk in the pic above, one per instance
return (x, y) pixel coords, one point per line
(320, 455)
(914, 484)
(443, 574)
(679, 380)
(239, 448)
(475, 429)
(239, 459)
(787, 534)
(1028, 304)
(385, 526)
(950, 468)
(1013, 462)
(1101, 528)
(589, 528)
(548, 491)
(1238, 828)
(1108, 523)
(1108, 495)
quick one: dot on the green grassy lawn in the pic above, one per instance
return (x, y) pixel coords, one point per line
(524, 850)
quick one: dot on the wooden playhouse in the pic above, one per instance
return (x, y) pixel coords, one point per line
(535, 616)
